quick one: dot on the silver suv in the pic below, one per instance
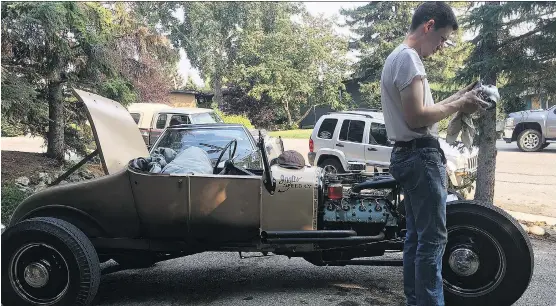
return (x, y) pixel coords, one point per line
(357, 140)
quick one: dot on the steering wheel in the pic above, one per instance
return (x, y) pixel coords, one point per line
(230, 156)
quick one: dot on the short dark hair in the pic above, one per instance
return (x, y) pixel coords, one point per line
(440, 12)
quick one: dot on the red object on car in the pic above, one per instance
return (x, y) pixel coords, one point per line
(335, 192)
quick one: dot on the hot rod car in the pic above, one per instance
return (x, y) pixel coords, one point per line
(57, 237)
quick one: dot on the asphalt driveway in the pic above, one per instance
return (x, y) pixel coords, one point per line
(225, 279)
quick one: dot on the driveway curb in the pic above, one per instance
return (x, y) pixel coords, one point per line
(532, 218)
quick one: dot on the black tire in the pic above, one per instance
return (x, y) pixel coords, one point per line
(332, 162)
(502, 248)
(530, 140)
(55, 248)
(544, 145)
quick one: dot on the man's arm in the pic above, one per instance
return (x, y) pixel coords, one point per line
(416, 115)
(458, 94)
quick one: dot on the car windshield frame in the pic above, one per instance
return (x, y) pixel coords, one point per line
(247, 154)
(204, 118)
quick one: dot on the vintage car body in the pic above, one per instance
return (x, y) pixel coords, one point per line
(56, 238)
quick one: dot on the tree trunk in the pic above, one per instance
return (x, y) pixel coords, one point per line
(217, 85)
(56, 123)
(287, 109)
(486, 166)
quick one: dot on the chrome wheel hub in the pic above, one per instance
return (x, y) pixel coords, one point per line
(329, 169)
(36, 275)
(464, 262)
(530, 141)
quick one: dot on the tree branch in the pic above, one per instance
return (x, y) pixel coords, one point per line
(530, 33)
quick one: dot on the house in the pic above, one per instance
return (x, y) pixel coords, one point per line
(537, 100)
(188, 98)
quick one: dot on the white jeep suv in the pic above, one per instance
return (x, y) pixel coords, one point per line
(353, 140)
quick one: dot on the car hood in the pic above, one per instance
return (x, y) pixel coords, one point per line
(455, 152)
(528, 114)
(117, 137)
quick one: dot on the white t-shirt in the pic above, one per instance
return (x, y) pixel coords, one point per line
(400, 68)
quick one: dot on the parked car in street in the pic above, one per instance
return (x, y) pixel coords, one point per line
(533, 130)
(210, 197)
(344, 141)
(153, 118)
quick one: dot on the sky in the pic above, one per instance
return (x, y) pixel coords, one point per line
(328, 9)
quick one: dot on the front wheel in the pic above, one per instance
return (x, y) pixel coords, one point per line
(488, 257)
(530, 140)
(48, 262)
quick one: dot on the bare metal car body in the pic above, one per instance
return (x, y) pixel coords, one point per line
(139, 218)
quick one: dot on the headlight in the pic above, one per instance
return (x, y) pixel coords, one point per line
(510, 122)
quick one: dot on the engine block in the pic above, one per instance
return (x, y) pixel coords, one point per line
(359, 209)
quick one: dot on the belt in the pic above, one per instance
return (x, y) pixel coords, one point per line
(419, 143)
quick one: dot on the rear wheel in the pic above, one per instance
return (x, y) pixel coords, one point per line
(488, 257)
(332, 165)
(47, 261)
(530, 140)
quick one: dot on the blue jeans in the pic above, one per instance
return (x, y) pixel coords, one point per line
(422, 176)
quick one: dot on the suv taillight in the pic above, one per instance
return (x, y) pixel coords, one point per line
(311, 145)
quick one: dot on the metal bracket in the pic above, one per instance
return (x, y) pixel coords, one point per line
(74, 168)
(265, 254)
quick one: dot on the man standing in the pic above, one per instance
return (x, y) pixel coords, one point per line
(417, 161)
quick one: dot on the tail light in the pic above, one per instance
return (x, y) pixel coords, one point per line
(144, 132)
(335, 192)
(311, 145)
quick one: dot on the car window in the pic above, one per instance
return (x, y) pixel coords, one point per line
(327, 128)
(352, 131)
(378, 134)
(136, 117)
(202, 118)
(179, 119)
(211, 140)
(161, 121)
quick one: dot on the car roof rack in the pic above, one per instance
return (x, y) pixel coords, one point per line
(367, 110)
(350, 113)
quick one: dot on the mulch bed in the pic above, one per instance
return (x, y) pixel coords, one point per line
(16, 164)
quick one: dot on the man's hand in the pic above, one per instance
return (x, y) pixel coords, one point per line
(467, 88)
(470, 102)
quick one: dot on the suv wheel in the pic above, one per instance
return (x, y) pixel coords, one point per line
(331, 165)
(530, 140)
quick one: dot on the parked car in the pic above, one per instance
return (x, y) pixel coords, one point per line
(533, 130)
(153, 118)
(346, 141)
(56, 239)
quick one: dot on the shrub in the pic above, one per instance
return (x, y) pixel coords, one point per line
(11, 197)
(238, 119)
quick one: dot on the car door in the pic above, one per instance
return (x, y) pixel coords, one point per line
(351, 139)
(158, 127)
(378, 149)
(551, 124)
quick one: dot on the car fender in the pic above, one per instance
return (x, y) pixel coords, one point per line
(82, 220)
(324, 153)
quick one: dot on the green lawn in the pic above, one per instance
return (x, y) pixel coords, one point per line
(297, 134)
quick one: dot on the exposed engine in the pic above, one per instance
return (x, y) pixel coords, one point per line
(348, 204)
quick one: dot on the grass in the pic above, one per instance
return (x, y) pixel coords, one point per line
(295, 134)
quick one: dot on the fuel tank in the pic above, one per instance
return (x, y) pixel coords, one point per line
(294, 203)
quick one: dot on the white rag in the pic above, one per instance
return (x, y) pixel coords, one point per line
(462, 122)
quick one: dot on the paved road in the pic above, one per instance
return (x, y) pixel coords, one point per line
(224, 279)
